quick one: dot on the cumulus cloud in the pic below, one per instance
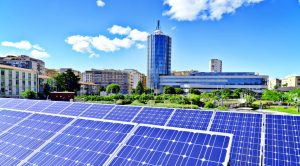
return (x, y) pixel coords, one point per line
(116, 29)
(24, 45)
(140, 46)
(100, 3)
(91, 44)
(39, 54)
(190, 10)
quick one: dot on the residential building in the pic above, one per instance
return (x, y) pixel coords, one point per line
(24, 61)
(292, 81)
(88, 88)
(208, 81)
(133, 78)
(14, 81)
(274, 83)
(159, 57)
(106, 77)
(215, 65)
(183, 73)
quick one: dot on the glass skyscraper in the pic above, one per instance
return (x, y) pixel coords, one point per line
(159, 57)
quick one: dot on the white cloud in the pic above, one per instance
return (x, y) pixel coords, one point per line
(100, 3)
(116, 29)
(190, 10)
(137, 35)
(91, 44)
(173, 28)
(24, 45)
(37, 47)
(140, 46)
(39, 54)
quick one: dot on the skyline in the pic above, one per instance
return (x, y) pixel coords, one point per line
(108, 36)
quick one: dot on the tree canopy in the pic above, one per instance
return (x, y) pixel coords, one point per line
(67, 81)
(169, 90)
(139, 88)
(113, 88)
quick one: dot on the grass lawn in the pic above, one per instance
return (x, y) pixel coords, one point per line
(290, 110)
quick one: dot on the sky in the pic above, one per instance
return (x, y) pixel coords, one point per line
(261, 36)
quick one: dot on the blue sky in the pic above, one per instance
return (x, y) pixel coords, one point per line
(248, 35)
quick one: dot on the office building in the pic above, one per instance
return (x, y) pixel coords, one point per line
(14, 81)
(183, 73)
(159, 57)
(24, 61)
(274, 84)
(208, 81)
(215, 65)
(292, 81)
(134, 77)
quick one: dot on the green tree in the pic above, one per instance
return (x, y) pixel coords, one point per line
(249, 100)
(67, 81)
(237, 93)
(139, 88)
(272, 95)
(100, 89)
(46, 89)
(226, 93)
(194, 91)
(113, 88)
(169, 90)
(179, 91)
(29, 94)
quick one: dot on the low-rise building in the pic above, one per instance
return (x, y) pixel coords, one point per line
(14, 81)
(292, 81)
(274, 83)
(133, 79)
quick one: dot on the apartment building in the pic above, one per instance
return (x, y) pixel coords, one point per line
(133, 79)
(14, 80)
(292, 81)
(215, 65)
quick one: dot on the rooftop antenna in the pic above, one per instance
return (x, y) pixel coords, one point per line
(158, 25)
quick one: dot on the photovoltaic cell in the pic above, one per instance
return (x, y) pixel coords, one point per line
(57, 107)
(23, 139)
(25, 105)
(9, 118)
(83, 143)
(75, 109)
(246, 130)
(191, 119)
(282, 140)
(97, 111)
(4, 100)
(165, 146)
(12, 103)
(123, 113)
(157, 116)
(40, 106)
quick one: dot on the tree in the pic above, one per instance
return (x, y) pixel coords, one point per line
(113, 88)
(29, 94)
(179, 91)
(249, 100)
(100, 89)
(237, 93)
(67, 81)
(139, 88)
(225, 93)
(194, 91)
(272, 95)
(46, 89)
(169, 90)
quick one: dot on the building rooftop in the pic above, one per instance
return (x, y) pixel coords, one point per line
(17, 68)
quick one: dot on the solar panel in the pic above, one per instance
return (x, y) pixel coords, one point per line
(9, 118)
(123, 113)
(170, 146)
(57, 107)
(21, 140)
(26, 104)
(4, 100)
(85, 142)
(97, 111)
(282, 140)
(40, 106)
(157, 116)
(75, 109)
(246, 129)
(191, 119)
(12, 103)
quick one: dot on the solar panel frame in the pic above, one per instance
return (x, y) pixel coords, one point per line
(21, 106)
(40, 107)
(123, 113)
(21, 118)
(148, 116)
(12, 103)
(4, 101)
(74, 110)
(126, 141)
(57, 107)
(98, 111)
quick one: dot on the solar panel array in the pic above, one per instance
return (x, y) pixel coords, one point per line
(34, 132)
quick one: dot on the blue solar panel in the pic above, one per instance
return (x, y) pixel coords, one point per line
(9, 118)
(282, 140)
(57, 107)
(246, 130)
(21, 140)
(97, 111)
(4, 100)
(26, 104)
(83, 143)
(75, 109)
(12, 103)
(170, 146)
(157, 116)
(40, 106)
(191, 119)
(123, 113)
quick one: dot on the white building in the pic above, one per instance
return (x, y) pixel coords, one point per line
(215, 65)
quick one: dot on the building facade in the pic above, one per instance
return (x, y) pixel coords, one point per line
(208, 81)
(14, 81)
(183, 73)
(24, 61)
(274, 83)
(159, 57)
(134, 77)
(51, 72)
(292, 81)
(215, 65)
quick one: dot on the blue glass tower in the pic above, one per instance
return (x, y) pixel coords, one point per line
(159, 57)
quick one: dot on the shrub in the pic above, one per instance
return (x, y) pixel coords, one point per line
(209, 104)
(29, 94)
